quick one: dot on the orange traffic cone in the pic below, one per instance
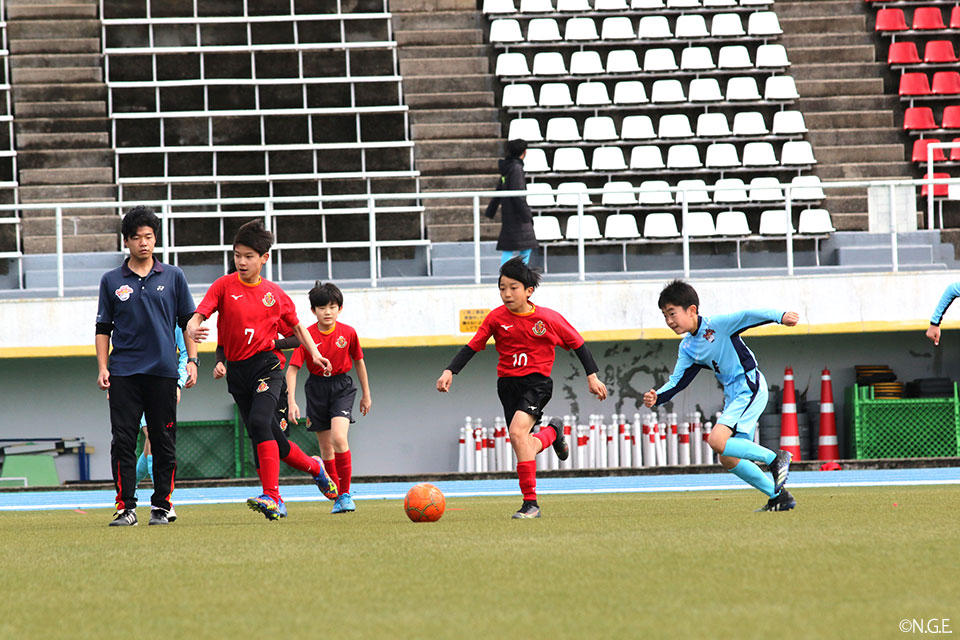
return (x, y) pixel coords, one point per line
(827, 445)
(789, 430)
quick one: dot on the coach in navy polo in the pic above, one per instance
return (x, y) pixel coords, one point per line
(141, 304)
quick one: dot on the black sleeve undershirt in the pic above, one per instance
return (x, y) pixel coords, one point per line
(104, 328)
(221, 356)
(461, 359)
(287, 343)
(586, 359)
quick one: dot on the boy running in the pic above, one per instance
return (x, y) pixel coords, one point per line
(526, 337)
(330, 394)
(715, 343)
(949, 295)
(251, 313)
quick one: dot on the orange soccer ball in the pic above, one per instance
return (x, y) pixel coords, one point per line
(424, 503)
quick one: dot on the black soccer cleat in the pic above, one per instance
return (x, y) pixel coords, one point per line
(780, 469)
(781, 502)
(560, 445)
(125, 518)
(159, 516)
(530, 509)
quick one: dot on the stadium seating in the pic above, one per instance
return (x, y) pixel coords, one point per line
(903, 53)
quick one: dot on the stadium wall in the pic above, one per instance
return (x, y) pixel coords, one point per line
(48, 373)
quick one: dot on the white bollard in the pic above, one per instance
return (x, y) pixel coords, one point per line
(614, 437)
(708, 456)
(477, 448)
(624, 434)
(695, 436)
(499, 440)
(462, 449)
(602, 447)
(491, 450)
(683, 444)
(636, 441)
(672, 439)
(571, 442)
(655, 439)
(592, 439)
(649, 448)
(581, 430)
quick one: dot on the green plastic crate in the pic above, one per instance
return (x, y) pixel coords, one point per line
(908, 428)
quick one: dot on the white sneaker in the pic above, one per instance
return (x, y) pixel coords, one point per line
(171, 514)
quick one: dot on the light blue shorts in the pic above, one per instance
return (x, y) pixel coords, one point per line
(742, 412)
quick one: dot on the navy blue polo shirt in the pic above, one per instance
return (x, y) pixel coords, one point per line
(144, 312)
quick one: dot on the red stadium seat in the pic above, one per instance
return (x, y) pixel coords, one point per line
(928, 18)
(918, 118)
(939, 190)
(946, 83)
(903, 53)
(955, 152)
(939, 51)
(951, 117)
(914, 84)
(891, 20)
(955, 17)
(920, 150)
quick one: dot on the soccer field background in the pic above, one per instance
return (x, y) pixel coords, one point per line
(848, 562)
(412, 429)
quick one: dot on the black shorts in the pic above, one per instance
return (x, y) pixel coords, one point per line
(529, 394)
(329, 398)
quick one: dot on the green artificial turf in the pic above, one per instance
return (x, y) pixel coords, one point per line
(849, 562)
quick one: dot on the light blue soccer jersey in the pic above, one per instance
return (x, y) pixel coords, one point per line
(717, 345)
(952, 291)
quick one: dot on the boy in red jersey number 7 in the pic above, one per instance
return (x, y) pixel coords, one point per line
(251, 312)
(526, 338)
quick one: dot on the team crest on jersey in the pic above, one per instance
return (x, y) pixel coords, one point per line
(124, 293)
(263, 386)
(708, 335)
(269, 300)
(283, 424)
(539, 328)
(308, 423)
(341, 342)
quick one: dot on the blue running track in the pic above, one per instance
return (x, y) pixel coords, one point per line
(43, 500)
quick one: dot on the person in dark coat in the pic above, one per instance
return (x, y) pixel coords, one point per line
(516, 228)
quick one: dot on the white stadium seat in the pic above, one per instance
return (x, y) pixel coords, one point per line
(592, 94)
(646, 157)
(722, 155)
(719, 3)
(498, 6)
(815, 221)
(726, 25)
(578, 29)
(732, 223)
(654, 28)
(512, 64)
(543, 30)
(667, 91)
(569, 192)
(742, 88)
(765, 189)
(542, 195)
(637, 128)
(646, 4)
(712, 125)
(772, 55)
(620, 226)
(806, 188)
(549, 63)
(629, 92)
(618, 28)
(599, 128)
(546, 228)
(525, 129)
(505, 30)
(657, 59)
(780, 88)
(699, 224)
(585, 63)
(622, 61)
(555, 94)
(729, 190)
(518, 95)
(697, 59)
(590, 231)
(759, 154)
(535, 161)
(683, 156)
(562, 129)
(674, 125)
(610, 5)
(660, 225)
(696, 191)
(788, 123)
(683, 4)
(705, 90)
(573, 6)
(618, 193)
(797, 152)
(773, 222)
(536, 6)
(763, 23)
(734, 56)
(691, 25)
(569, 159)
(608, 159)
(654, 192)
(749, 123)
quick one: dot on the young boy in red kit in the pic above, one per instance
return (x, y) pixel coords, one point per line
(330, 394)
(526, 337)
(251, 312)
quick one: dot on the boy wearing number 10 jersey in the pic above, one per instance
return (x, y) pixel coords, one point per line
(251, 311)
(526, 338)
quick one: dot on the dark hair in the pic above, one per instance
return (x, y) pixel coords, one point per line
(138, 217)
(679, 293)
(254, 235)
(323, 294)
(515, 148)
(517, 269)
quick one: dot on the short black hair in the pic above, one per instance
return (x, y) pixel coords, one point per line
(137, 217)
(679, 293)
(515, 148)
(323, 294)
(519, 270)
(254, 235)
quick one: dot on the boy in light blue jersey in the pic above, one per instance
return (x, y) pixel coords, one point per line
(950, 293)
(715, 343)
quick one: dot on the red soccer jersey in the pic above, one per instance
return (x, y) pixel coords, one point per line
(249, 316)
(526, 343)
(340, 345)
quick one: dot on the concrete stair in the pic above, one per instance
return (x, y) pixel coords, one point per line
(455, 124)
(62, 132)
(844, 100)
